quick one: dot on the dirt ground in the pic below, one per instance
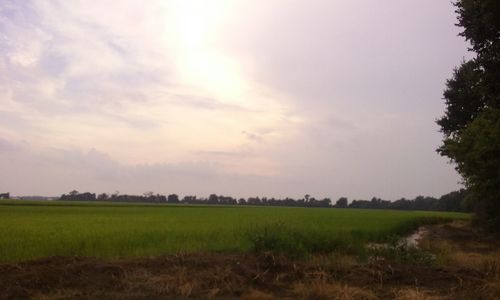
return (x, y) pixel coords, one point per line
(465, 265)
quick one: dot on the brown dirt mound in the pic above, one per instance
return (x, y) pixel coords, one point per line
(265, 276)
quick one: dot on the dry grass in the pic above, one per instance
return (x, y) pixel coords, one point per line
(333, 291)
(414, 294)
(62, 294)
(456, 244)
(491, 290)
(334, 264)
(257, 295)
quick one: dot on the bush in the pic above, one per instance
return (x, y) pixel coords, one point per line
(277, 238)
(284, 239)
(404, 253)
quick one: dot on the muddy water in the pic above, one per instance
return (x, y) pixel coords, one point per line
(413, 239)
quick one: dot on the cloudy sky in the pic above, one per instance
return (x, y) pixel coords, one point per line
(237, 97)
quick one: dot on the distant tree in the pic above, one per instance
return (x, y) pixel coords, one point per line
(160, 198)
(454, 201)
(72, 196)
(103, 197)
(374, 203)
(341, 203)
(173, 198)
(401, 204)
(325, 202)
(189, 199)
(312, 202)
(254, 201)
(213, 199)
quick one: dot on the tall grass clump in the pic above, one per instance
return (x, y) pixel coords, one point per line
(283, 238)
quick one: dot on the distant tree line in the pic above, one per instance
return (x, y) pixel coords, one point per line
(5, 196)
(116, 197)
(454, 201)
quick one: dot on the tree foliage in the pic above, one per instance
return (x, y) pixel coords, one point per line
(342, 202)
(471, 124)
(477, 157)
(480, 20)
(463, 99)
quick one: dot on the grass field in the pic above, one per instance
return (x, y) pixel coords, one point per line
(30, 230)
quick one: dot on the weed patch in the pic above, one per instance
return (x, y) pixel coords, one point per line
(404, 253)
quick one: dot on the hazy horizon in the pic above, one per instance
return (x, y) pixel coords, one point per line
(240, 98)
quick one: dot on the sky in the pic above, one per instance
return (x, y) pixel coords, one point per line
(242, 98)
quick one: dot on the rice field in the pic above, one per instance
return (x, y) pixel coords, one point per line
(30, 230)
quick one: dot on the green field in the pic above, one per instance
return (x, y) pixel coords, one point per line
(30, 230)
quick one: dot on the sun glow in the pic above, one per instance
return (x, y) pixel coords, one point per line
(215, 108)
(193, 28)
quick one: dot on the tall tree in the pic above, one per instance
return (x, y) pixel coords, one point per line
(463, 98)
(480, 20)
(471, 124)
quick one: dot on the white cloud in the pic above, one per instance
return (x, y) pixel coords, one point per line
(108, 77)
(284, 98)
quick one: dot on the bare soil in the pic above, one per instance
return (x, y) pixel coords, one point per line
(467, 267)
